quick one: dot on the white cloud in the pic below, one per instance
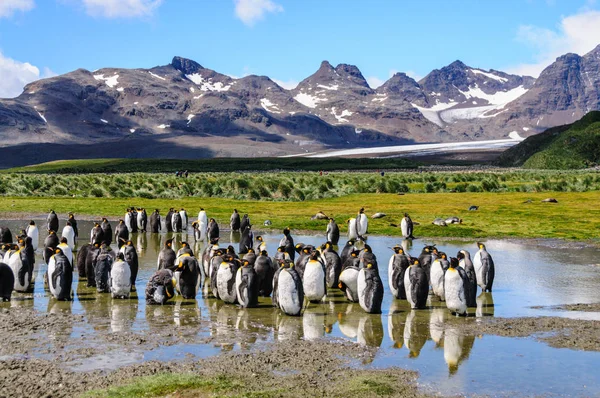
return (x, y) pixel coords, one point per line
(9, 7)
(15, 75)
(288, 85)
(252, 11)
(374, 81)
(121, 8)
(578, 33)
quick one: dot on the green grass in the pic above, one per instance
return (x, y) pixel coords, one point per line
(80, 166)
(574, 146)
(501, 214)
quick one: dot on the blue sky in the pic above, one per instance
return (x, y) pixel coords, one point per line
(287, 39)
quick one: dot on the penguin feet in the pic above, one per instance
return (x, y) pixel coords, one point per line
(133, 289)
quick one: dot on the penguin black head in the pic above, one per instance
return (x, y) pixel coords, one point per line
(453, 262)
(96, 224)
(331, 219)
(63, 240)
(281, 249)
(460, 255)
(355, 253)
(96, 245)
(214, 241)
(184, 244)
(52, 211)
(245, 263)
(104, 219)
(69, 223)
(286, 231)
(212, 220)
(51, 232)
(259, 238)
(121, 221)
(350, 242)
(156, 211)
(120, 256)
(235, 210)
(298, 248)
(327, 245)
(58, 251)
(480, 245)
(129, 243)
(250, 250)
(405, 214)
(368, 249)
(415, 262)
(264, 253)
(169, 242)
(369, 266)
(31, 222)
(361, 211)
(442, 255)
(398, 249)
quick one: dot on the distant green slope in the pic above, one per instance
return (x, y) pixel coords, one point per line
(85, 166)
(573, 146)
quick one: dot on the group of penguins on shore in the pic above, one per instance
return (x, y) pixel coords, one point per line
(296, 274)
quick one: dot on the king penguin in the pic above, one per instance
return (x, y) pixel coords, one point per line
(107, 231)
(7, 281)
(406, 226)
(370, 289)
(290, 295)
(333, 232)
(130, 256)
(439, 266)
(246, 285)
(166, 257)
(188, 276)
(464, 261)
(234, 221)
(121, 233)
(288, 243)
(69, 233)
(333, 264)
(362, 222)
(313, 282)
(155, 226)
(455, 281)
(120, 278)
(399, 263)
(349, 283)
(33, 232)
(226, 280)
(416, 285)
(263, 266)
(484, 268)
(52, 221)
(160, 287)
(60, 276)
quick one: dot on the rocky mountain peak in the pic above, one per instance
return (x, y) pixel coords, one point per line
(186, 66)
(352, 73)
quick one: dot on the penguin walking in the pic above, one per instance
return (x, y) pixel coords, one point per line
(187, 276)
(288, 243)
(169, 220)
(142, 220)
(120, 278)
(226, 280)
(69, 233)
(60, 276)
(130, 256)
(213, 229)
(176, 222)
(290, 294)
(399, 263)
(184, 218)
(370, 289)
(246, 239)
(19, 263)
(313, 282)
(348, 283)
(90, 264)
(160, 287)
(484, 268)
(104, 263)
(97, 234)
(333, 232)
(52, 221)
(7, 282)
(121, 233)
(73, 222)
(33, 232)
(455, 282)
(155, 226)
(416, 285)
(362, 222)
(263, 267)
(439, 266)
(406, 226)
(246, 285)
(107, 232)
(166, 257)
(333, 265)
(464, 261)
(352, 229)
(235, 221)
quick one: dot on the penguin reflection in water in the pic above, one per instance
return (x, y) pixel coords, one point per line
(160, 287)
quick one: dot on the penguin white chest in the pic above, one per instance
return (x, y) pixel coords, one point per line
(404, 227)
(51, 269)
(455, 292)
(363, 224)
(34, 234)
(287, 293)
(16, 264)
(390, 272)
(120, 276)
(361, 288)
(349, 277)
(314, 281)
(67, 252)
(226, 284)
(437, 279)
(352, 232)
(408, 287)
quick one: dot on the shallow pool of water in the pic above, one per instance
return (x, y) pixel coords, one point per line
(527, 275)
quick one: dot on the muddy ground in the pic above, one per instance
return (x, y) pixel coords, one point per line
(36, 350)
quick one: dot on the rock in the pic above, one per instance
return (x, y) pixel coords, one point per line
(549, 200)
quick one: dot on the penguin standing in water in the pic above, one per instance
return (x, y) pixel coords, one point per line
(69, 233)
(370, 289)
(313, 282)
(352, 261)
(7, 282)
(199, 231)
(142, 220)
(333, 265)
(226, 279)
(155, 226)
(362, 222)
(290, 294)
(347, 251)
(244, 222)
(428, 254)
(33, 232)
(202, 217)
(333, 232)
(367, 256)
(134, 217)
(352, 229)
(166, 257)
(263, 266)
(399, 263)
(439, 266)
(82, 254)
(416, 285)
(102, 269)
(455, 282)
(129, 221)
(213, 269)
(66, 249)
(187, 276)
(19, 263)
(50, 244)
(281, 263)
(260, 244)
(213, 229)
(464, 261)
(250, 256)
(121, 233)
(160, 287)
(235, 221)
(246, 285)
(130, 256)
(185, 249)
(484, 268)
(106, 230)
(348, 283)
(207, 254)
(120, 278)
(169, 220)
(52, 221)
(90, 264)
(406, 226)
(60, 276)
(246, 239)
(96, 234)
(5, 235)
(184, 218)
(176, 222)
(27, 248)
(288, 243)
(73, 222)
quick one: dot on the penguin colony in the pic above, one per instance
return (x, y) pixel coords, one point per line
(297, 274)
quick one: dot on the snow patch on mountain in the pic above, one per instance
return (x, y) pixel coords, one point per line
(207, 84)
(269, 106)
(43, 118)
(331, 88)
(489, 75)
(309, 100)
(110, 81)
(498, 98)
(158, 77)
(432, 114)
(341, 118)
(189, 118)
(515, 136)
